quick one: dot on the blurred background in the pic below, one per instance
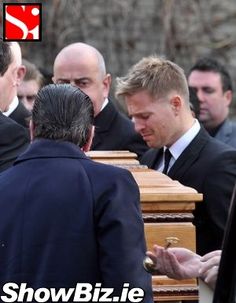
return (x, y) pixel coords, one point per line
(126, 30)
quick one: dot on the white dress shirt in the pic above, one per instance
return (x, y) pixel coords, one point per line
(104, 104)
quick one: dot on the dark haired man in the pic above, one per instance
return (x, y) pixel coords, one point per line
(14, 138)
(70, 220)
(213, 86)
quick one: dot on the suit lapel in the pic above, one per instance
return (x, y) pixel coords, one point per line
(96, 140)
(189, 155)
(103, 123)
(152, 157)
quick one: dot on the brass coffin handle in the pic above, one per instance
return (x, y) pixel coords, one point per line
(170, 241)
(148, 263)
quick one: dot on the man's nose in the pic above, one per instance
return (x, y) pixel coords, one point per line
(200, 95)
(138, 125)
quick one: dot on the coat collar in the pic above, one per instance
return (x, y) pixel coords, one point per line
(105, 118)
(103, 122)
(44, 148)
(225, 131)
(152, 157)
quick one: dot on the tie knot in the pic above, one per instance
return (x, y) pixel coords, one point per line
(167, 157)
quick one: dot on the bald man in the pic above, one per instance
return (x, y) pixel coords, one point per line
(15, 109)
(83, 66)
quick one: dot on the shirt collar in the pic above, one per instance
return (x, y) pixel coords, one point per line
(179, 146)
(104, 104)
(12, 107)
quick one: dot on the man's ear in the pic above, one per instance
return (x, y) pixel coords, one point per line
(228, 97)
(53, 79)
(106, 85)
(176, 103)
(20, 74)
(31, 129)
(87, 146)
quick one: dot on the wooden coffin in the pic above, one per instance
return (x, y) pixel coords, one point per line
(167, 207)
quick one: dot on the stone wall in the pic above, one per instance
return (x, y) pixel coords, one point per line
(126, 30)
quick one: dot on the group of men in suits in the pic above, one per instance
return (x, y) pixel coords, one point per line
(62, 225)
(64, 218)
(90, 239)
(157, 98)
(83, 66)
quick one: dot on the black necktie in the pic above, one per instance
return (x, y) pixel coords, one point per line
(167, 157)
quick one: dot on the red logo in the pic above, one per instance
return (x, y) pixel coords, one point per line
(22, 21)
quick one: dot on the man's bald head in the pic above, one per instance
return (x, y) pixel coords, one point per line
(81, 51)
(83, 66)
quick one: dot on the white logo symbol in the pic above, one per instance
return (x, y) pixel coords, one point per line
(22, 26)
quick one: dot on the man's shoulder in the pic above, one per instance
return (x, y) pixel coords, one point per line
(5, 121)
(7, 124)
(14, 140)
(211, 152)
(21, 110)
(230, 123)
(227, 133)
(21, 115)
(110, 180)
(96, 169)
(219, 146)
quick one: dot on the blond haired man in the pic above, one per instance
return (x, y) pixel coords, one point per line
(156, 93)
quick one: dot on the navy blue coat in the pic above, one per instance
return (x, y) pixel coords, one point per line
(65, 219)
(209, 166)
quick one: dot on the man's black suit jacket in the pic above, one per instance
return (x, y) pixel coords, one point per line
(209, 166)
(226, 282)
(114, 131)
(14, 139)
(21, 115)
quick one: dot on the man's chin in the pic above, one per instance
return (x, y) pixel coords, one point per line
(150, 141)
(203, 117)
(151, 144)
